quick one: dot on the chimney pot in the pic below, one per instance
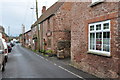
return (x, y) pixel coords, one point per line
(43, 9)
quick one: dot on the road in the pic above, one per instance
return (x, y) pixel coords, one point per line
(23, 63)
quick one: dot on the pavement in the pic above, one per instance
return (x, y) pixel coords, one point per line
(24, 63)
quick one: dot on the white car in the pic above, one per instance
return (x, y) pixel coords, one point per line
(2, 56)
(5, 49)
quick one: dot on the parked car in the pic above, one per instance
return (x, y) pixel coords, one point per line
(9, 47)
(2, 56)
(5, 49)
(12, 44)
(17, 42)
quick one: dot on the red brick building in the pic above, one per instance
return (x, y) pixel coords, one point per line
(27, 39)
(34, 37)
(20, 38)
(95, 38)
(55, 26)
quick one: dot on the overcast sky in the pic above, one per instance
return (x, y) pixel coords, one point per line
(14, 13)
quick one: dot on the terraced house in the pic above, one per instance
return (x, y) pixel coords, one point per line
(34, 37)
(55, 27)
(28, 39)
(95, 38)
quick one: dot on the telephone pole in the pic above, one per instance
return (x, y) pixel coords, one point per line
(37, 9)
(38, 37)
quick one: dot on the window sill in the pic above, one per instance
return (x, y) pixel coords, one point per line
(102, 53)
(95, 3)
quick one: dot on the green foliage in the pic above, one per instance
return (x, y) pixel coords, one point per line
(20, 35)
(42, 51)
(34, 50)
(44, 43)
(49, 51)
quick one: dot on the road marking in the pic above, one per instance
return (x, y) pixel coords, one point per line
(71, 72)
(46, 59)
(62, 68)
(39, 56)
(55, 64)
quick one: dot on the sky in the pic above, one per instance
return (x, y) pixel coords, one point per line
(14, 13)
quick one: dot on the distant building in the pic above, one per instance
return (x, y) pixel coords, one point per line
(20, 38)
(28, 38)
(2, 30)
(4, 35)
(34, 38)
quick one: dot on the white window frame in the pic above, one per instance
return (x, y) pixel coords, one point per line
(97, 1)
(93, 1)
(104, 53)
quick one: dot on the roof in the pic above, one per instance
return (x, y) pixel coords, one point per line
(49, 12)
(27, 32)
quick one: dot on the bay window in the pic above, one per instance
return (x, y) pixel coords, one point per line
(99, 38)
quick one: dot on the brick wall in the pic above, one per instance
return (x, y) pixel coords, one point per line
(45, 29)
(82, 15)
(59, 25)
(62, 24)
(33, 42)
(28, 39)
(118, 36)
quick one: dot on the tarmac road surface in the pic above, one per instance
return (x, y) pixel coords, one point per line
(23, 63)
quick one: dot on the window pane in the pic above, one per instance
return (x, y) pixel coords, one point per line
(98, 27)
(92, 28)
(99, 41)
(92, 41)
(106, 26)
(106, 41)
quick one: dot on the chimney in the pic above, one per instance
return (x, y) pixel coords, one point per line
(43, 9)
